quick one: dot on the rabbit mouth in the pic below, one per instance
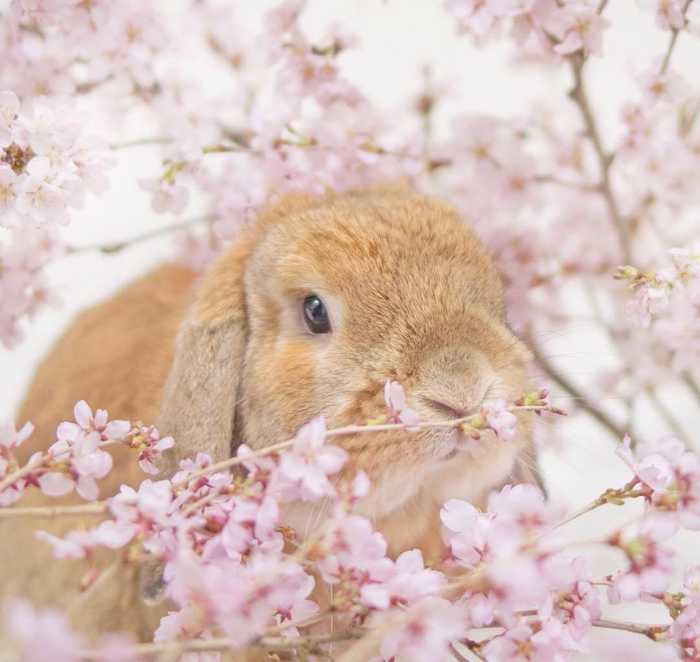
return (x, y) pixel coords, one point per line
(461, 445)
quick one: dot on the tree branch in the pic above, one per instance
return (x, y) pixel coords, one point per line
(580, 97)
(672, 42)
(654, 632)
(96, 508)
(554, 374)
(117, 246)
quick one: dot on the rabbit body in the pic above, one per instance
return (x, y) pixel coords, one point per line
(411, 295)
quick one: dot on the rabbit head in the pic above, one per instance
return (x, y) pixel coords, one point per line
(322, 302)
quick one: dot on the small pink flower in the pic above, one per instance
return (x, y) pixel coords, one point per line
(11, 438)
(37, 632)
(500, 420)
(579, 27)
(166, 196)
(405, 583)
(147, 440)
(309, 462)
(395, 398)
(428, 628)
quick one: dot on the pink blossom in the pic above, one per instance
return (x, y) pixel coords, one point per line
(405, 583)
(86, 423)
(425, 632)
(466, 532)
(73, 546)
(669, 13)
(523, 508)
(149, 505)
(352, 549)
(395, 399)
(650, 564)
(37, 632)
(685, 629)
(579, 27)
(11, 438)
(500, 420)
(480, 16)
(668, 477)
(166, 195)
(309, 462)
(516, 645)
(147, 440)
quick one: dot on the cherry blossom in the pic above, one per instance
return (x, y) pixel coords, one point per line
(669, 477)
(426, 632)
(395, 399)
(578, 27)
(309, 463)
(650, 564)
(40, 631)
(500, 420)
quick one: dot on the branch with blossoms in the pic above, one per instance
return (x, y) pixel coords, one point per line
(224, 552)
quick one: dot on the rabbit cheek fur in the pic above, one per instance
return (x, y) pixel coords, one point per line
(412, 296)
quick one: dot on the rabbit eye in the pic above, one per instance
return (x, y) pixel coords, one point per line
(316, 315)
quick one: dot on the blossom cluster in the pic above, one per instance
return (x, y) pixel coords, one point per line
(77, 459)
(231, 568)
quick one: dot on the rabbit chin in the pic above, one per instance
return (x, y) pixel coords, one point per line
(404, 504)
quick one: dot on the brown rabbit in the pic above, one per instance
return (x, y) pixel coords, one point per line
(313, 309)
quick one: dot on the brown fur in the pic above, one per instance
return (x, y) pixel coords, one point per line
(412, 296)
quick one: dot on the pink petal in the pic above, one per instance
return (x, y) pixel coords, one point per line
(83, 415)
(55, 484)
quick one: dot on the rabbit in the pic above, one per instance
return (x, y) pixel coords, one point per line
(316, 305)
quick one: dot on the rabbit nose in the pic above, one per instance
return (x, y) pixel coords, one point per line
(451, 409)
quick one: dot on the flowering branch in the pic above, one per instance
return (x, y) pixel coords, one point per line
(674, 38)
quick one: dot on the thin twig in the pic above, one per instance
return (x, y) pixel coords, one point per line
(221, 644)
(554, 374)
(654, 632)
(672, 42)
(164, 140)
(117, 246)
(356, 429)
(96, 508)
(665, 413)
(580, 186)
(582, 511)
(456, 654)
(580, 97)
(692, 385)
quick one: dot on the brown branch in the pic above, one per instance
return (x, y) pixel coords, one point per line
(654, 632)
(222, 644)
(117, 246)
(138, 142)
(598, 414)
(580, 97)
(96, 508)
(466, 421)
(672, 42)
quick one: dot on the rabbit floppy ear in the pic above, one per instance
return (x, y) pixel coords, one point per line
(200, 394)
(198, 407)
